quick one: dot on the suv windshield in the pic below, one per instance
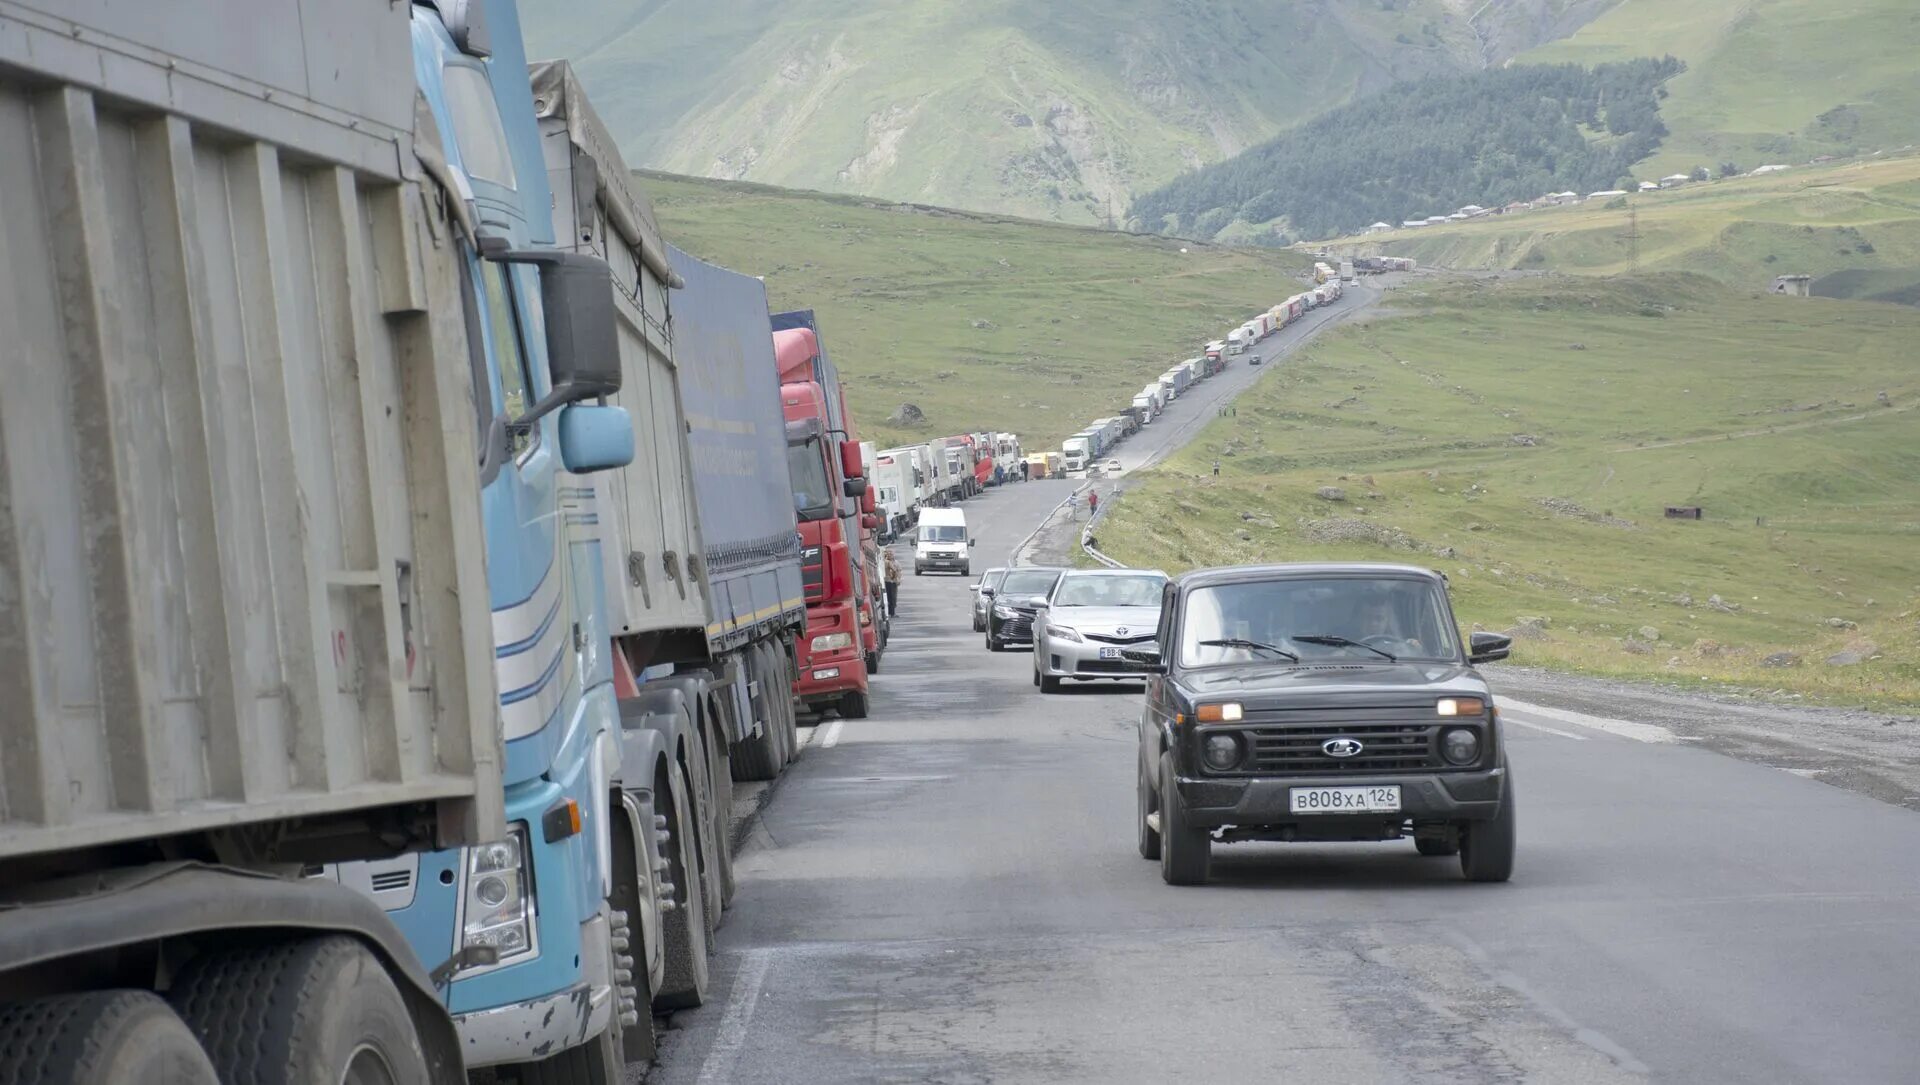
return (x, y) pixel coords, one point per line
(1028, 581)
(1309, 618)
(1110, 591)
(943, 533)
(807, 468)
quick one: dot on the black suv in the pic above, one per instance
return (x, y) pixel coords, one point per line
(1320, 702)
(1019, 593)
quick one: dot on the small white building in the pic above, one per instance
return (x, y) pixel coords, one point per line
(1607, 195)
(1412, 223)
(1436, 220)
(1775, 168)
(1649, 186)
(1671, 180)
(1380, 227)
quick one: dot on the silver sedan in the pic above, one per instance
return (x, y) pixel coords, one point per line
(1090, 615)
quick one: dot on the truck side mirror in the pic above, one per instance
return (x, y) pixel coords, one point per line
(851, 464)
(868, 502)
(854, 487)
(1489, 647)
(869, 521)
(583, 338)
(595, 438)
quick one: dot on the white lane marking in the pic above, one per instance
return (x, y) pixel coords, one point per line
(1510, 718)
(1639, 732)
(732, 1033)
(832, 738)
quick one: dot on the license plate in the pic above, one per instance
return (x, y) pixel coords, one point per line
(1109, 653)
(1344, 800)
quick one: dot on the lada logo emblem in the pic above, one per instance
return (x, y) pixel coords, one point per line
(1342, 747)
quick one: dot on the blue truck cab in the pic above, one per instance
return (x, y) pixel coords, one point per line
(535, 964)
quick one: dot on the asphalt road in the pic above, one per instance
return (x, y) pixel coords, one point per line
(949, 892)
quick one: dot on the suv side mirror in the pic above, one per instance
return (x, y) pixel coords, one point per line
(1488, 647)
(1146, 660)
(986, 593)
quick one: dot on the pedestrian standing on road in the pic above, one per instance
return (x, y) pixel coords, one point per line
(893, 585)
(1093, 503)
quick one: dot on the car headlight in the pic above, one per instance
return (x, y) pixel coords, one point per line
(1460, 706)
(498, 905)
(1065, 633)
(1221, 751)
(1460, 746)
(1003, 612)
(830, 642)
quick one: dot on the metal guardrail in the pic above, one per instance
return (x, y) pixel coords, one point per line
(1086, 536)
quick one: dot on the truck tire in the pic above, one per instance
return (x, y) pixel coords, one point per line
(873, 662)
(1144, 805)
(1486, 847)
(632, 893)
(758, 757)
(853, 704)
(720, 803)
(685, 925)
(100, 1036)
(308, 1011)
(1185, 851)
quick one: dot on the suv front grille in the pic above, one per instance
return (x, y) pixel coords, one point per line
(1386, 747)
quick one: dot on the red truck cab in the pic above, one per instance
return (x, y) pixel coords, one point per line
(829, 484)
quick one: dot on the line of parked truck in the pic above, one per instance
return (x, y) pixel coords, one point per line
(938, 474)
(405, 549)
(1082, 451)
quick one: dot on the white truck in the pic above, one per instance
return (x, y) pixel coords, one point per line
(1076, 452)
(896, 492)
(1346, 271)
(1143, 403)
(246, 632)
(1237, 340)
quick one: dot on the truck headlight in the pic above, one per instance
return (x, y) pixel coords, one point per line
(832, 642)
(498, 909)
(1065, 633)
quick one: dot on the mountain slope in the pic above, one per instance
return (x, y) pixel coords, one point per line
(1767, 80)
(1061, 110)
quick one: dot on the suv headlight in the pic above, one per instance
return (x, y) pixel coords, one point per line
(1065, 633)
(1460, 746)
(498, 899)
(831, 642)
(1003, 612)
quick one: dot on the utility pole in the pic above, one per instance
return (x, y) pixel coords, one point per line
(1633, 239)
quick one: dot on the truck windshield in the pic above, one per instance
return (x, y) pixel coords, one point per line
(1109, 591)
(943, 533)
(812, 490)
(1400, 617)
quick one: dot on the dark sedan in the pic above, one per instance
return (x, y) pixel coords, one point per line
(1021, 591)
(1320, 702)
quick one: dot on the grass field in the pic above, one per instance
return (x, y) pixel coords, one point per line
(981, 322)
(1855, 228)
(1524, 437)
(1768, 80)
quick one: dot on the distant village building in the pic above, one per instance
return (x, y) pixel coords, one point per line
(1649, 186)
(1436, 220)
(1607, 195)
(1514, 208)
(1470, 211)
(1792, 286)
(1775, 168)
(1411, 223)
(1674, 179)
(1380, 227)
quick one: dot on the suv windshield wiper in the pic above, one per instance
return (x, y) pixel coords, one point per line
(1239, 642)
(1338, 641)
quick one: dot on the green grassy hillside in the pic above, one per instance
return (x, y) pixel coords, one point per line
(1855, 228)
(1524, 437)
(1768, 80)
(1060, 110)
(982, 322)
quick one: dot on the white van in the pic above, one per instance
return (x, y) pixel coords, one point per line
(942, 542)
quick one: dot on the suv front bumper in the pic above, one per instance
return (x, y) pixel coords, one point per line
(1216, 802)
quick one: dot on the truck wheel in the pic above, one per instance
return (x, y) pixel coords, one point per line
(1144, 805)
(720, 771)
(1486, 847)
(853, 705)
(106, 1036)
(761, 756)
(873, 662)
(633, 892)
(596, 1062)
(1185, 851)
(685, 924)
(307, 1011)
(711, 841)
(967, 569)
